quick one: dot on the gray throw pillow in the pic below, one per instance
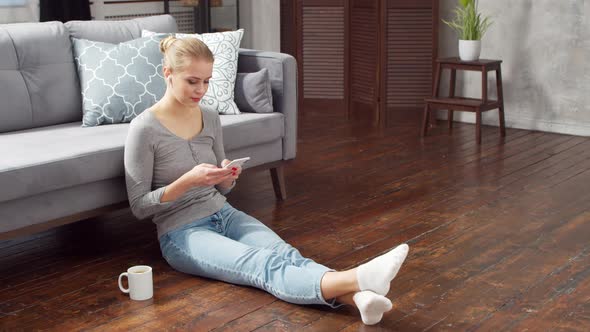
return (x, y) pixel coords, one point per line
(118, 81)
(253, 92)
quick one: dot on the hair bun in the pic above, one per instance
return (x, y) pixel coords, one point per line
(166, 43)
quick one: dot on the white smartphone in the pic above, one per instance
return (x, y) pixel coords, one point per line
(237, 162)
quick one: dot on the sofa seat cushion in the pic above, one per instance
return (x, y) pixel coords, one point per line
(43, 159)
(40, 160)
(249, 129)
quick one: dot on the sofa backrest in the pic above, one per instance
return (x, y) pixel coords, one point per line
(38, 79)
(120, 31)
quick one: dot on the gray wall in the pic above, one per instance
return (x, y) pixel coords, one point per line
(545, 48)
(261, 22)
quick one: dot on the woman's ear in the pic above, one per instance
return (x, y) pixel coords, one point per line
(167, 74)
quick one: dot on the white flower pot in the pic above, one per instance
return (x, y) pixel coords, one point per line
(469, 50)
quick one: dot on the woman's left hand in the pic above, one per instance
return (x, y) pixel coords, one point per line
(236, 170)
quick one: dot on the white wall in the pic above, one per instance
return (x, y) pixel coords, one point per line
(28, 13)
(545, 48)
(261, 22)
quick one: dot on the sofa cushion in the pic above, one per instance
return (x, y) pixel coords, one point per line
(38, 79)
(254, 92)
(118, 81)
(50, 158)
(38, 82)
(251, 128)
(120, 31)
(39, 160)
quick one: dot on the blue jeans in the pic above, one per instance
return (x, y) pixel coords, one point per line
(234, 247)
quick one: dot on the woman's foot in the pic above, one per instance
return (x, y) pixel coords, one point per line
(371, 306)
(376, 275)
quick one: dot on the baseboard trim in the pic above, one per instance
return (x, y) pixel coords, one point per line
(578, 129)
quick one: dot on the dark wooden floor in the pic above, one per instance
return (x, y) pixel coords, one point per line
(498, 235)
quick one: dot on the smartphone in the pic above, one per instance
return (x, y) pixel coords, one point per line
(237, 162)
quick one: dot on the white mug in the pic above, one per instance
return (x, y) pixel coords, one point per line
(141, 286)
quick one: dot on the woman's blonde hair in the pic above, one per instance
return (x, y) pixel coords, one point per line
(178, 51)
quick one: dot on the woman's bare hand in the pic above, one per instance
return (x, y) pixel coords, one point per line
(236, 170)
(204, 175)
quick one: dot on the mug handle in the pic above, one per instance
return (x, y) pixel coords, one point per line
(124, 274)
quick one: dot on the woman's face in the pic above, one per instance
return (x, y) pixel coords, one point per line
(189, 86)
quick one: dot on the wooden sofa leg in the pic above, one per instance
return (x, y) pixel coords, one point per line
(278, 182)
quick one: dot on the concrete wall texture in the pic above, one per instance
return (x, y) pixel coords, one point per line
(545, 48)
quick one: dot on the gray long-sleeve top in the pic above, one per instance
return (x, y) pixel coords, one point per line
(156, 157)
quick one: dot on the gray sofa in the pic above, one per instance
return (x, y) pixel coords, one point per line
(53, 171)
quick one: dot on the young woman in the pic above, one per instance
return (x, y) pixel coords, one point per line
(174, 165)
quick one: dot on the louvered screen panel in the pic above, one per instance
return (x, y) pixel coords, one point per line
(323, 52)
(364, 56)
(409, 56)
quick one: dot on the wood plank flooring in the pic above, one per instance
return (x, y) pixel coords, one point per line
(498, 233)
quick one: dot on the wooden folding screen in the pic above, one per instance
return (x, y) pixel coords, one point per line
(368, 59)
(411, 41)
(365, 68)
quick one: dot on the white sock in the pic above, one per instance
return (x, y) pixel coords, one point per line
(371, 306)
(376, 275)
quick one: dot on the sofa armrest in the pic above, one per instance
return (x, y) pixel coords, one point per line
(282, 69)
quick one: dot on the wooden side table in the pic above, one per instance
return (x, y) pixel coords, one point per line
(453, 103)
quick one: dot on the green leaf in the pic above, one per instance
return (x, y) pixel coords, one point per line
(465, 3)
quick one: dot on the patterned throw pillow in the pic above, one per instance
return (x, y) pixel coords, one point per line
(225, 47)
(120, 81)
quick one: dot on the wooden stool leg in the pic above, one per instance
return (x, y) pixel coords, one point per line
(484, 85)
(436, 81)
(500, 101)
(502, 125)
(478, 126)
(452, 94)
(425, 120)
(484, 99)
(435, 91)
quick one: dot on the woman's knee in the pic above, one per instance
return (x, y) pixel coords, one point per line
(286, 250)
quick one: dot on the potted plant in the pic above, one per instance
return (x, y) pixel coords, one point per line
(471, 26)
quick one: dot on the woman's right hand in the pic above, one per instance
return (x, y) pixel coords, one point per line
(204, 175)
